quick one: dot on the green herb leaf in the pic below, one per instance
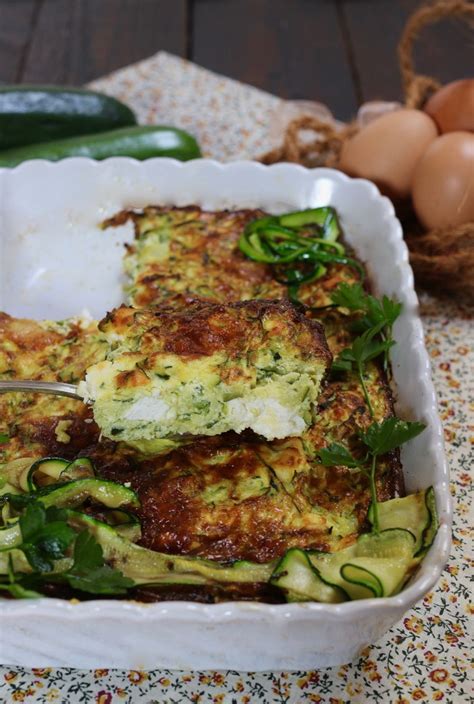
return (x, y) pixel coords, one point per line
(379, 315)
(366, 348)
(44, 537)
(344, 362)
(382, 312)
(90, 574)
(350, 296)
(4, 438)
(391, 310)
(54, 539)
(53, 513)
(38, 561)
(363, 349)
(338, 455)
(380, 438)
(32, 521)
(102, 580)
(88, 553)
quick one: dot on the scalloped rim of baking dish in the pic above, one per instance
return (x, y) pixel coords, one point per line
(283, 186)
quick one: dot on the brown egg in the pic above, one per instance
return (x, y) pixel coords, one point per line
(443, 183)
(452, 106)
(388, 149)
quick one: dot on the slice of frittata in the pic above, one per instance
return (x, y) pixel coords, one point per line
(188, 253)
(207, 369)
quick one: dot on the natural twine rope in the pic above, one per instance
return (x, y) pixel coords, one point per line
(443, 259)
(418, 88)
(321, 150)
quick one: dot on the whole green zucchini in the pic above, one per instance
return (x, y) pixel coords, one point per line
(137, 142)
(32, 114)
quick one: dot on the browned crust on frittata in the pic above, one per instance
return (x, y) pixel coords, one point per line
(202, 329)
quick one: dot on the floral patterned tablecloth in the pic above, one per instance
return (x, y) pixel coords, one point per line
(427, 656)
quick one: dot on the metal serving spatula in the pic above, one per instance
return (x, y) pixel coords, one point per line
(57, 388)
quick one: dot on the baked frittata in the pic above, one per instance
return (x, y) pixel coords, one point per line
(171, 373)
(204, 323)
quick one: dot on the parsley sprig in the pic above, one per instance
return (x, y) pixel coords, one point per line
(378, 439)
(363, 349)
(47, 537)
(378, 315)
(375, 327)
(45, 534)
(89, 573)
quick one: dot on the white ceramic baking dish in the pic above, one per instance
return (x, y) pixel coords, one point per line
(55, 261)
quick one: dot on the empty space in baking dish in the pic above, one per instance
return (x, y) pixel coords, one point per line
(57, 261)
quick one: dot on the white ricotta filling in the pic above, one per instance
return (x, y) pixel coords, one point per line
(84, 390)
(150, 408)
(267, 417)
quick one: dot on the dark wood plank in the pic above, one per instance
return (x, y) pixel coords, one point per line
(16, 25)
(444, 51)
(293, 48)
(78, 40)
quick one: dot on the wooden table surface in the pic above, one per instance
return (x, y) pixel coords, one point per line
(341, 52)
